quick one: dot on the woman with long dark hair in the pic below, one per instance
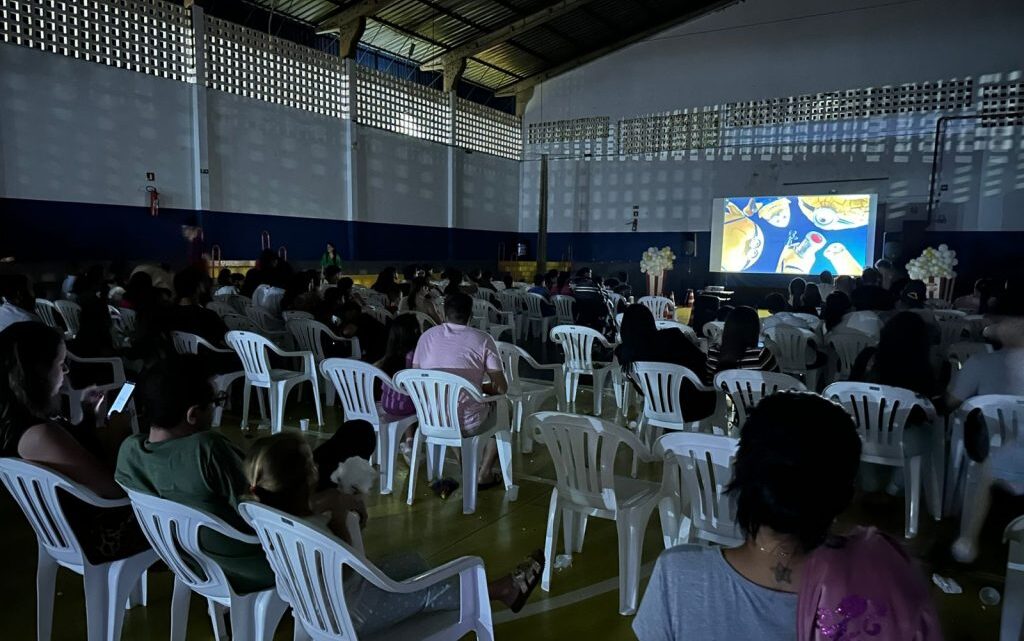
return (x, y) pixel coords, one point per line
(741, 348)
(902, 357)
(403, 336)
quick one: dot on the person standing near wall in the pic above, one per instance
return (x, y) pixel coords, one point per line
(330, 258)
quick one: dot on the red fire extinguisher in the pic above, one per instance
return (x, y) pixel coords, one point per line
(154, 201)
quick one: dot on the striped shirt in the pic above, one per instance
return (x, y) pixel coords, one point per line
(760, 358)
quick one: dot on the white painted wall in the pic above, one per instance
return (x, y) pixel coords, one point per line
(763, 49)
(271, 159)
(76, 131)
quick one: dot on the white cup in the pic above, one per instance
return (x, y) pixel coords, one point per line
(304, 424)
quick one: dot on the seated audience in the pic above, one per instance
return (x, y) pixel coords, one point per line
(354, 322)
(826, 284)
(797, 286)
(403, 336)
(18, 302)
(542, 285)
(456, 283)
(192, 288)
(780, 314)
(810, 301)
(641, 340)
(837, 306)
(281, 475)
(562, 286)
(846, 284)
(591, 309)
(977, 301)
(425, 298)
(902, 357)
(139, 292)
(794, 577)
(182, 460)
(705, 310)
(870, 295)
(741, 347)
(32, 428)
(455, 347)
(887, 273)
(331, 275)
(225, 285)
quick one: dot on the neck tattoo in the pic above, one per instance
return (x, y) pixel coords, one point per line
(783, 573)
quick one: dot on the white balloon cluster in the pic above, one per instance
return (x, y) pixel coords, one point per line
(933, 263)
(655, 261)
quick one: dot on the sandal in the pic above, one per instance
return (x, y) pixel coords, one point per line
(445, 487)
(526, 577)
(495, 481)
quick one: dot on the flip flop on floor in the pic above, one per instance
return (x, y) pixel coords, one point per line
(493, 482)
(526, 577)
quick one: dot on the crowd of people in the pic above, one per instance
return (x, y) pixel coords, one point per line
(792, 564)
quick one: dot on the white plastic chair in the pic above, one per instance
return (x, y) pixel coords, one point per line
(713, 332)
(958, 353)
(564, 309)
(660, 306)
(436, 395)
(848, 344)
(698, 468)
(1012, 620)
(943, 315)
(881, 414)
(527, 395)
(222, 308)
(583, 450)
(793, 348)
(482, 293)
(425, 321)
(71, 313)
(379, 314)
(125, 321)
(292, 314)
(308, 336)
(354, 382)
(252, 350)
(266, 321)
(511, 300)
(535, 320)
(1004, 418)
(173, 531)
(77, 394)
(308, 564)
(746, 388)
(686, 330)
(578, 347)
(108, 586)
(661, 384)
(488, 318)
(47, 312)
(185, 343)
(953, 330)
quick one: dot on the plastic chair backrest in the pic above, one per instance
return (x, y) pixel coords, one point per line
(308, 565)
(952, 330)
(848, 344)
(511, 300)
(484, 312)
(747, 387)
(671, 324)
(34, 489)
(713, 331)
(790, 347)
(943, 315)
(377, 299)
(263, 319)
(577, 343)
(425, 321)
(880, 412)
(308, 335)
(958, 353)
(1003, 413)
(173, 530)
(240, 323)
(185, 343)
(240, 303)
(482, 293)
(47, 312)
(222, 308)
(125, 321)
(379, 314)
(704, 469)
(354, 382)
(291, 315)
(658, 305)
(252, 351)
(660, 384)
(564, 309)
(533, 305)
(583, 450)
(435, 395)
(71, 313)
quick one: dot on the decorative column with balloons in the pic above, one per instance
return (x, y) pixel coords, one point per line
(935, 268)
(655, 262)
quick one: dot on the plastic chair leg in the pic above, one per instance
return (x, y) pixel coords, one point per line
(140, 593)
(246, 394)
(581, 531)
(572, 384)
(218, 620)
(98, 598)
(267, 610)
(668, 512)
(470, 464)
(277, 398)
(46, 586)
(631, 528)
(568, 531)
(1012, 619)
(912, 495)
(550, 541)
(180, 601)
(503, 440)
(243, 618)
(387, 450)
(316, 400)
(417, 446)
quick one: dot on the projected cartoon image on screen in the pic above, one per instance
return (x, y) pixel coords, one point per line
(796, 234)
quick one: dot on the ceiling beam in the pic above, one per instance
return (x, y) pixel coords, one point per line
(343, 16)
(488, 40)
(527, 83)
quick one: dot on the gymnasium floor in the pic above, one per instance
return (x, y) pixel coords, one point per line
(583, 601)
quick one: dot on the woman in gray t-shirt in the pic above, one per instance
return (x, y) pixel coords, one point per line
(787, 492)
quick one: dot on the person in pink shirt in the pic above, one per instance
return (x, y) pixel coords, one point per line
(455, 347)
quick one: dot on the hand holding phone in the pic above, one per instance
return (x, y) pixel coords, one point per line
(122, 399)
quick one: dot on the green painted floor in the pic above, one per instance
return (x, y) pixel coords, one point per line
(583, 601)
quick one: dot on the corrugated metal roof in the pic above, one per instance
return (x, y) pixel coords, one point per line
(421, 31)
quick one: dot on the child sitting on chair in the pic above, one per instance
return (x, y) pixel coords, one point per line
(282, 475)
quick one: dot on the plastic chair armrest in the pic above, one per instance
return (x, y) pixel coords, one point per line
(116, 364)
(456, 567)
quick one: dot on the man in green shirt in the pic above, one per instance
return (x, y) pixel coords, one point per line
(183, 461)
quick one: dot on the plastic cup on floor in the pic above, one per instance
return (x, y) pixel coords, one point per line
(989, 596)
(304, 424)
